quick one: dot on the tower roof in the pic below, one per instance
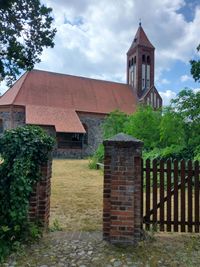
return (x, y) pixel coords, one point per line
(140, 39)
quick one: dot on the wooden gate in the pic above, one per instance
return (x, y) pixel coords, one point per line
(170, 193)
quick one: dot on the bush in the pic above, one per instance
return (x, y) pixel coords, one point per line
(22, 150)
(97, 157)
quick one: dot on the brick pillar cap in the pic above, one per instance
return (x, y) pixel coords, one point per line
(123, 138)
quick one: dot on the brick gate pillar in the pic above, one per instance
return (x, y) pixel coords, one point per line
(122, 190)
(39, 203)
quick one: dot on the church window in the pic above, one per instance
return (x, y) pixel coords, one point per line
(158, 102)
(152, 98)
(132, 62)
(143, 76)
(143, 59)
(134, 75)
(148, 76)
(1, 126)
(148, 60)
(155, 98)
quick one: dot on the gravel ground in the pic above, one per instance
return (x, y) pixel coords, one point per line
(88, 250)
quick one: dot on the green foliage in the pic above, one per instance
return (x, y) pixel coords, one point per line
(97, 157)
(114, 123)
(195, 67)
(25, 29)
(174, 133)
(144, 125)
(23, 151)
(171, 129)
(56, 226)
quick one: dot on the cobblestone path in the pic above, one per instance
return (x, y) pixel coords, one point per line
(88, 250)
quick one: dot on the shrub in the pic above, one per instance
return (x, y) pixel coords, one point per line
(22, 150)
(97, 157)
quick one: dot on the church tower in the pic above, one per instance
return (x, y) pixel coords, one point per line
(140, 69)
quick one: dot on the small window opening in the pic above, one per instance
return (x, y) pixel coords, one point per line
(148, 60)
(143, 59)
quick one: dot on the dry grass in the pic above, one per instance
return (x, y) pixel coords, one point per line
(76, 197)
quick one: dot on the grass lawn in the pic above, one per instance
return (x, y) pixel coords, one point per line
(76, 196)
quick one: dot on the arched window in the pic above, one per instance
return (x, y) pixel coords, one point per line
(1, 126)
(143, 59)
(85, 137)
(148, 60)
(132, 62)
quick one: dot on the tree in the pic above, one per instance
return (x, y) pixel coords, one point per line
(187, 105)
(144, 125)
(114, 123)
(195, 67)
(172, 129)
(25, 29)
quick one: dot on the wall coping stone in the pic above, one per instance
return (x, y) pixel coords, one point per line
(125, 139)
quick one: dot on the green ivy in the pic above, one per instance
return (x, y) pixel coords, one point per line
(23, 150)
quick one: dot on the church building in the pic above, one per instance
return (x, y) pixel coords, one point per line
(73, 108)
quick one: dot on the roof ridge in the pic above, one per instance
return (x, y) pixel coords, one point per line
(77, 76)
(26, 73)
(9, 89)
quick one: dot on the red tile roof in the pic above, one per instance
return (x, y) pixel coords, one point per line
(47, 89)
(64, 120)
(140, 39)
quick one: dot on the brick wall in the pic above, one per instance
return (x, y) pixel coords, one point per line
(122, 190)
(40, 198)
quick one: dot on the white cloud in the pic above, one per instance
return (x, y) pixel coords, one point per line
(93, 36)
(167, 96)
(97, 46)
(185, 78)
(196, 90)
(163, 81)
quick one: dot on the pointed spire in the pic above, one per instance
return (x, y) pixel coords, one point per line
(140, 39)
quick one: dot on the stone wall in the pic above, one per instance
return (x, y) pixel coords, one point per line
(18, 118)
(12, 119)
(6, 117)
(95, 133)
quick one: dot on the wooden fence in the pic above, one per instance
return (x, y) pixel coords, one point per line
(170, 193)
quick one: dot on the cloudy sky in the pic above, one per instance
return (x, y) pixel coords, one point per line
(93, 37)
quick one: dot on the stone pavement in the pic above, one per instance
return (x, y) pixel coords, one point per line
(63, 249)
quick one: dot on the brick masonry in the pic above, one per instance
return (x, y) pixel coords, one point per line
(39, 210)
(122, 190)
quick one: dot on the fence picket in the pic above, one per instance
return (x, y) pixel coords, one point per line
(176, 196)
(189, 191)
(169, 195)
(196, 195)
(142, 192)
(148, 194)
(182, 195)
(154, 192)
(162, 193)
